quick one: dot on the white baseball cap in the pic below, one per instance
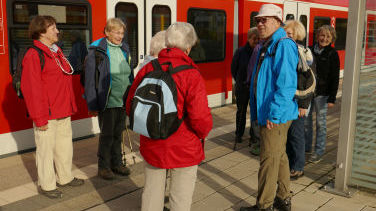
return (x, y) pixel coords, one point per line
(270, 10)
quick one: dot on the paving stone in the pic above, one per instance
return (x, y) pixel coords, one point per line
(243, 169)
(17, 194)
(343, 204)
(250, 201)
(369, 208)
(215, 202)
(304, 201)
(240, 189)
(202, 191)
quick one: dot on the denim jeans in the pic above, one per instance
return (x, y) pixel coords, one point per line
(295, 144)
(321, 107)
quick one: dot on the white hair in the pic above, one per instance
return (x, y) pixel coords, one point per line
(157, 43)
(181, 35)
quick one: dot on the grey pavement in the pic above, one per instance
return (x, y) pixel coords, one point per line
(227, 179)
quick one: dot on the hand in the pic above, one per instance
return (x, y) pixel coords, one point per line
(43, 128)
(269, 124)
(302, 112)
(93, 113)
(330, 105)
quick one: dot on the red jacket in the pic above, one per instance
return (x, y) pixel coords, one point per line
(183, 148)
(49, 92)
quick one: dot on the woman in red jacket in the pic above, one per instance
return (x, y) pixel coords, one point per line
(50, 101)
(183, 150)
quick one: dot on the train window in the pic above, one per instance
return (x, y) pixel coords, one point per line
(303, 20)
(317, 23)
(128, 12)
(72, 23)
(161, 18)
(64, 14)
(253, 22)
(290, 17)
(341, 29)
(210, 26)
(371, 36)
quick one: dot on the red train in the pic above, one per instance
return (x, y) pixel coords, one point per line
(220, 24)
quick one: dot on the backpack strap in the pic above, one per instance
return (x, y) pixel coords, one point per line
(156, 65)
(276, 45)
(41, 55)
(181, 68)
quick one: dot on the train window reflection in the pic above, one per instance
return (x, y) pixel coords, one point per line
(64, 14)
(161, 18)
(371, 34)
(72, 23)
(317, 23)
(128, 12)
(210, 26)
(253, 22)
(303, 20)
(290, 17)
(341, 29)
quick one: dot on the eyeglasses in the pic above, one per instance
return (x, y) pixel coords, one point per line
(262, 20)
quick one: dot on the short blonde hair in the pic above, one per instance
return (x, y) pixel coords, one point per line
(252, 31)
(299, 32)
(114, 23)
(157, 43)
(329, 29)
(181, 35)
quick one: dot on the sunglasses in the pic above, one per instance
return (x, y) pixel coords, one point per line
(261, 20)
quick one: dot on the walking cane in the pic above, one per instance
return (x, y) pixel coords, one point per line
(130, 144)
(235, 145)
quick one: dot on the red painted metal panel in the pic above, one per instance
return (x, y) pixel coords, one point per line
(217, 75)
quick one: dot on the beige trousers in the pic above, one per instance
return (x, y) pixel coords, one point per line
(54, 146)
(182, 186)
(274, 165)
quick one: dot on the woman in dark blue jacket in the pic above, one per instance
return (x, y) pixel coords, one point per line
(108, 74)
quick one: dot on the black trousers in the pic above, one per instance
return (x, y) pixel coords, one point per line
(242, 101)
(111, 124)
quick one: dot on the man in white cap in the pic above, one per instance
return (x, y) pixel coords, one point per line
(273, 85)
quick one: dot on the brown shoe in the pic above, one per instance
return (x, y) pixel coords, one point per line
(106, 174)
(52, 194)
(121, 170)
(294, 175)
(74, 183)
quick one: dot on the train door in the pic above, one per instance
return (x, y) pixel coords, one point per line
(213, 21)
(297, 11)
(143, 19)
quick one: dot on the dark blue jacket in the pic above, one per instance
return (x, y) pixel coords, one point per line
(98, 75)
(239, 65)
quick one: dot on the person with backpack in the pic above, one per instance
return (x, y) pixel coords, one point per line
(327, 66)
(295, 148)
(48, 92)
(108, 74)
(239, 66)
(181, 119)
(272, 103)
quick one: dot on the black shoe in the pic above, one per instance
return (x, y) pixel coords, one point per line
(52, 194)
(238, 139)
(282, 205)
(255, 208)
(121, 170)
(74, 183)
(106, 174)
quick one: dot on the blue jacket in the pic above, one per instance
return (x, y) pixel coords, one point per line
(276, 83)
(98, 75)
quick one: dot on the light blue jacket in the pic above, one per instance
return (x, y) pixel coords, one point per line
(276, 83)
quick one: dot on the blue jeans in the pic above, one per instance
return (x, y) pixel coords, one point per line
(296, 144)
(320, 105)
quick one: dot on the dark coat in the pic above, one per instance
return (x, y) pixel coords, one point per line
(239, 66)
(327, 68)
(98, 75)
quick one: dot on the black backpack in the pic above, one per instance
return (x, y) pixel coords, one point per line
(154, 105)
(16, 76)
(306, 76)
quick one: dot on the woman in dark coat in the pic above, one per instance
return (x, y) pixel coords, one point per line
(327, 71)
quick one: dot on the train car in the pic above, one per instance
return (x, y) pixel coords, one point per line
(221, 26)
